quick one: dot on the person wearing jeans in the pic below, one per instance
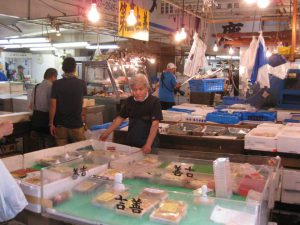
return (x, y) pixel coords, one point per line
(65, 117)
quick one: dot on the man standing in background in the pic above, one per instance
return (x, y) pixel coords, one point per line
(66, 123)
(40, 104)
(167, 85)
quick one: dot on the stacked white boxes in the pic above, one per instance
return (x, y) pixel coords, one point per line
(222, 176)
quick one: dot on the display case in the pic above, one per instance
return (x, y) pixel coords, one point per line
(165, 190)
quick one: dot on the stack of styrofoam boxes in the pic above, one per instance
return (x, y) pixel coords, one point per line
(283, 114)
(290, 186)
(4, 88)
(16, 87)
(199, 114)
(289, 139)
(263, 137)
(222, 176)
(20, 104)
(172, 116)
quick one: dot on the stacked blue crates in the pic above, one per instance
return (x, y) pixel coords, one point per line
(207, 85)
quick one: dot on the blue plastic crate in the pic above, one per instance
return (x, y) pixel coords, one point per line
(259, 116)
(106, 125)
(207, 85)
(228, 100)
(181, 110)
(224, 118)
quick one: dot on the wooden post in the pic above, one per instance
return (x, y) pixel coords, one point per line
(294, 30)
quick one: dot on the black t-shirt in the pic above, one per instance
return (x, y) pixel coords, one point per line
(150, 109)
(68, 93)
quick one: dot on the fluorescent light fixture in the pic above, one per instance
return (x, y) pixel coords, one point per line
(103, 47)
(9, 16)
(40, 45)
(10, 46)
(71, 44)
(28, 40)
(43, 49)
(4, 42)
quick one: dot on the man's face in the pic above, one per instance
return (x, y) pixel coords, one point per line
(20, 70)
(139, 92)
(53, 78)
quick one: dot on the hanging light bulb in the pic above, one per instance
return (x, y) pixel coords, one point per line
(177, 36)
(250, 1)
(268, 53)
(215, 48)
(231, 51)
(131, 19)
(183, 34)
(57, 31)
(152, 60)
(263, 3)
(93, 14)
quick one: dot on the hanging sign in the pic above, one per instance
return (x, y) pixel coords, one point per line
(140, 30)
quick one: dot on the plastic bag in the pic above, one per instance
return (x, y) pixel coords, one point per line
(12, 199)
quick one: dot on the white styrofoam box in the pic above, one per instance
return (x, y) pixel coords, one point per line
(4, 88)
(283, 114)
(172, 116)
(163, 128)
(292, 125)
(262, 139)
(271, 125)
(291, 180)
(194, 118)
(16, 117)
(20, 104)
(13, 163)
(290, 197)
(16, 87)
(289, 140)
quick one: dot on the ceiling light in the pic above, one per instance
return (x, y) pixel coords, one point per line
(4, 42)
(115, 68)
(71, 45)
(93, 14)
(215, 48)
(131, 19)
(28, 40)
(10, 46)
(250, 1)
(152, 60)
(43, 49)
(231, 51)
(102, 47)
(183, 34)
(263, 3)
(41, 45)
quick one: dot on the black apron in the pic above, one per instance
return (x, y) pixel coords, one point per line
(138, 131)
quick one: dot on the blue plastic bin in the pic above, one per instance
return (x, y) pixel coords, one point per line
(228, 100)
(259, 116)
(207, 85)
(106, 125)
(224, 118)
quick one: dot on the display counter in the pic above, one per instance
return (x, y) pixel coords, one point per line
(153, 192)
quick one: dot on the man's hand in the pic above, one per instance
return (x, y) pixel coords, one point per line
(6, 128)
(146, 149)
(52, 130)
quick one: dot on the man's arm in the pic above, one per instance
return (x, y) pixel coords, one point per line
(52, 115)
(152, 134)
(116, 123)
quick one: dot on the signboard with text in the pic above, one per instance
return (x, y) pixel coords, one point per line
(140, 30)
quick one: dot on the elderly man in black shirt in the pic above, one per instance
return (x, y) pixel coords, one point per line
(144, 113)
(66, 123)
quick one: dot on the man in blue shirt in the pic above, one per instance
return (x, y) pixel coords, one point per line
(167, 84)
(2, 75)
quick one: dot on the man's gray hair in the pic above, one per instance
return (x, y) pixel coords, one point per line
(139, 79)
